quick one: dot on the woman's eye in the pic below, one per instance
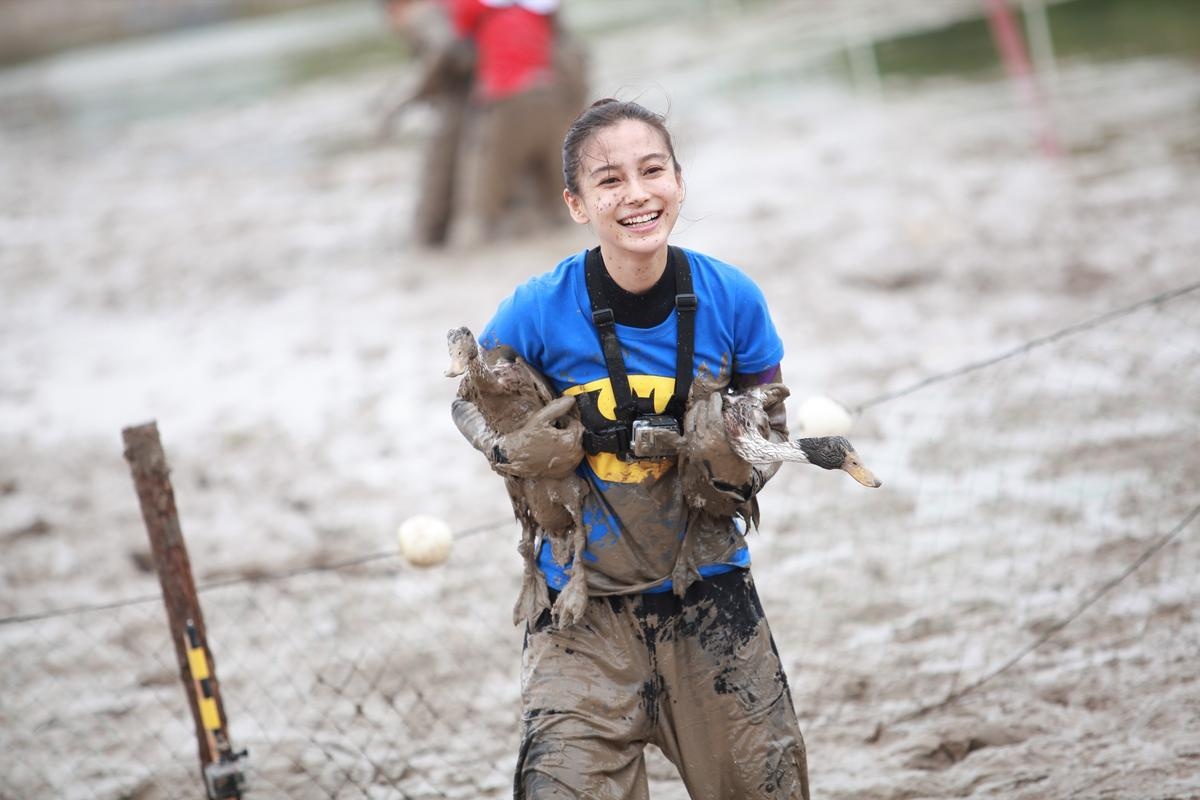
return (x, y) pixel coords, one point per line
(608, 181)
(653, 170)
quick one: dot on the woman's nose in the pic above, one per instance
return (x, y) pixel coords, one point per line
(635, 191)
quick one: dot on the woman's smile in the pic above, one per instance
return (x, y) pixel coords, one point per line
(641, 221)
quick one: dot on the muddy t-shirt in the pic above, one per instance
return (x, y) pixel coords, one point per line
(635, 513)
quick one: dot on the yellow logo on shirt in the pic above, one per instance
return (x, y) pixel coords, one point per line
(599, 409)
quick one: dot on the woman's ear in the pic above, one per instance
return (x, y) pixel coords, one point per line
(575, 206)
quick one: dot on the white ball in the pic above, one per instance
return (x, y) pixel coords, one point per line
(424, 540)
(822, 416)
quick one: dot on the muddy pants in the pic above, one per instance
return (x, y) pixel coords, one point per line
(439, 170)
(511, 140)
(699, 677)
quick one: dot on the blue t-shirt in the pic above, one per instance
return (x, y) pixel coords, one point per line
(635, 513)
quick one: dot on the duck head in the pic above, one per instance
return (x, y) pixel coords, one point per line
(463, 350)
(836, 452)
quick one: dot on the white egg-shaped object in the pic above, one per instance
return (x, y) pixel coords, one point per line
(425, 540)
(823, 416)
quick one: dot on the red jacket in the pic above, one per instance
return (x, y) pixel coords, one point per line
(514, 45)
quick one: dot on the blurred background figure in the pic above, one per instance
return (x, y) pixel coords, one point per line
(446, 64)
(530, 83)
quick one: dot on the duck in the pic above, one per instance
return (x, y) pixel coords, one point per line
(713, 477)
(744, 417)
(508, 391)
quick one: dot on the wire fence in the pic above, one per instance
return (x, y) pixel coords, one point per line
(1035, 539)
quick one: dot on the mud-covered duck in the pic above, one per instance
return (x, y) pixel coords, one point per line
(508, 392)
(725, 436)
(716, 414)
(744, 416)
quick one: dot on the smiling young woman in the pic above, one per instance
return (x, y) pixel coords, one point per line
(682, 659)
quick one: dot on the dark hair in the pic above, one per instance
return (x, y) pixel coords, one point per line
(602, 114)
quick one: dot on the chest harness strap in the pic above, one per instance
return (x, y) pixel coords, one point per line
(616, 438)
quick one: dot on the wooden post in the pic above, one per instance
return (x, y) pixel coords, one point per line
(151, 478)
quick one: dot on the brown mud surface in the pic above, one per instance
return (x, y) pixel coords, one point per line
(236, 266)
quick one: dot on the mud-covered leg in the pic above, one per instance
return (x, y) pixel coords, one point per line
(731, 727)
(572, 601)
(573, 748)
(534, 597)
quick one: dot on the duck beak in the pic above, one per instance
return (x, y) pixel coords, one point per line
(457, 367)
(856, 470)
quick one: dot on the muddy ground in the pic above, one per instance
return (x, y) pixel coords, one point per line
(1012, 615)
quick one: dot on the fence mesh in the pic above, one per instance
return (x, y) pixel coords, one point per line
(1034, 547)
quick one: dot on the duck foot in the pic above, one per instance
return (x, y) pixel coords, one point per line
(685, 571)
(683, 575)
(533, 599)
(572, 601)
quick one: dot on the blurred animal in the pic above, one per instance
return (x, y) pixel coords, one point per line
(507, 392)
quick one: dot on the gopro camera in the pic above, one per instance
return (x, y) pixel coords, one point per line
(655, 436)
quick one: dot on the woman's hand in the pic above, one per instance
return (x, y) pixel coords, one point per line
(706, 442)
(548, 445)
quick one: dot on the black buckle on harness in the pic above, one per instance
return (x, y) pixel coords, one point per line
(607, 440)
(603, 316)
(686, 302)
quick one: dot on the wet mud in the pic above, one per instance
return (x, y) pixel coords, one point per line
(234, 262)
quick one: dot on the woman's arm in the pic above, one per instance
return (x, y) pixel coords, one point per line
(538, 449)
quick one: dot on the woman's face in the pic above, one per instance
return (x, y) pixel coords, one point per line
(629, 190)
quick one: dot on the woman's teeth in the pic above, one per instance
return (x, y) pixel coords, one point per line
(640, 219)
